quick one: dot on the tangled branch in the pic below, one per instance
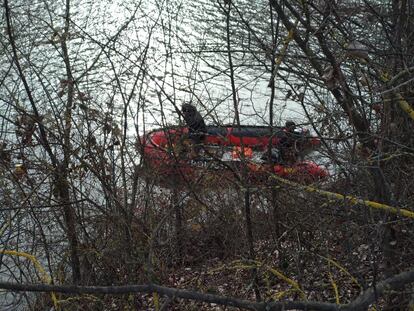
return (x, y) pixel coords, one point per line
(362, 302)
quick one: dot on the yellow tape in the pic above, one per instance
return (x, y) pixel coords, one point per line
(288, 39)
(335, 287)
(291, 282)
(43, 275)
(282, 294)
(348, 198)
(257, 265)
(156, 298)
(404, 105)
(341, 268)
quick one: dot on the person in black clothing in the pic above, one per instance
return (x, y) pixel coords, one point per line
(285, 151)
(288, 142)
(290, 126)
(288, 138)
(196, 126)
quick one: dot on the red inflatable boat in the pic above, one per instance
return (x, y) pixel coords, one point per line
(169, 152)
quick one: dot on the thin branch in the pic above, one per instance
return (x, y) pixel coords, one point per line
(43, 134)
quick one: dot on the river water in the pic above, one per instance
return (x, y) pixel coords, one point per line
(134, 61)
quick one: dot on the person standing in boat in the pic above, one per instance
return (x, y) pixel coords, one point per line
(289, 141)
(285, 151)
(196, 126)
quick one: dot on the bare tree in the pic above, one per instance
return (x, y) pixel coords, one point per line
(81, 86)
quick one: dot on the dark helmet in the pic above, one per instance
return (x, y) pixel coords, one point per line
(290, 125)
(188, 109)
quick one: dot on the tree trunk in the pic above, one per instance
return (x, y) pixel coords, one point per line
(62, 187)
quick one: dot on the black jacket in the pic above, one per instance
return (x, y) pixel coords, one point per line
(193, 119)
